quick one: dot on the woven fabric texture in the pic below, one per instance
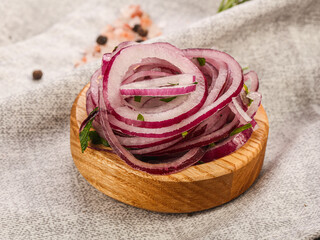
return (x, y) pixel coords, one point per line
(43, 196)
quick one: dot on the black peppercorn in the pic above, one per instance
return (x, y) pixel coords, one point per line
(37, 74)
(142, 32)
(136, 27)
(102, 40)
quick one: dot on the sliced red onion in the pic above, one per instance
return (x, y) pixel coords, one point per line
(155, 148)
(153, 105)
(205, 140)
(141, 142)
(105, 60)
(253, 77)
(172, 127)
(228, 146)
(173, 85)
(172, 166)
(158, 92)
(252, 110)
(157, 100)
(216, 121)
(128, 56)
(172, 80)
(239, 111)
(107, 56)
(93, 91)
(151, 64)
(142, 74)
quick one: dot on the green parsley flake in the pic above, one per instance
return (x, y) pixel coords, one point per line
(184, 134)
(195, 83)
(240, 129)
(173, 84)
(247, 91)
(96, 139)
(167, 99)
(229, 4)
(202, 61)
(137, 98)
(245, 68)
(84, 134)
(211, 145)
(140, 117)
(246, 88)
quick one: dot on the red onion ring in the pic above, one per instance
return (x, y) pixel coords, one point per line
(179, 84)
(253, 77)
(176, 129)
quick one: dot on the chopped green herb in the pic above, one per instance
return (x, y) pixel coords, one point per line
(140, 117)
(247, 91)
(229, 4)
(173, 84)
(195, 83)
(84, 134)
(201, 162)
(246, 88)
(115, 48)
(137, 98)
(245, 68)
(167, 99)
(202, 61)
(96, 139)
(105, 142)
(211, 145)
(184, 134)
(240, 129)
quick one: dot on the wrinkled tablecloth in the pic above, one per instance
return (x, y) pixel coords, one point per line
(43, 196)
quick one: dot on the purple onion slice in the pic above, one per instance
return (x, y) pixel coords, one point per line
(163, 109)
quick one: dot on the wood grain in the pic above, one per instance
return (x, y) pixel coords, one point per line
(196, 188)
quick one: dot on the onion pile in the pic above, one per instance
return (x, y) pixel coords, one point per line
(163, 109)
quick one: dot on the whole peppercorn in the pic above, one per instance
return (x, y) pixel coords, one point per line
(102, 40)
(142, 32)
(136, 27)
(37, 74)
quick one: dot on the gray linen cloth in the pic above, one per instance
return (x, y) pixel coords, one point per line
(43, 196)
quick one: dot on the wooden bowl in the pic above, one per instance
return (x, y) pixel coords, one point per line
(194, 189)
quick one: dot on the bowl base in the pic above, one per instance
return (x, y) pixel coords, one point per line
(196, 188)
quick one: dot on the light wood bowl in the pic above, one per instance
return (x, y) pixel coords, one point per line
(194, 189)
